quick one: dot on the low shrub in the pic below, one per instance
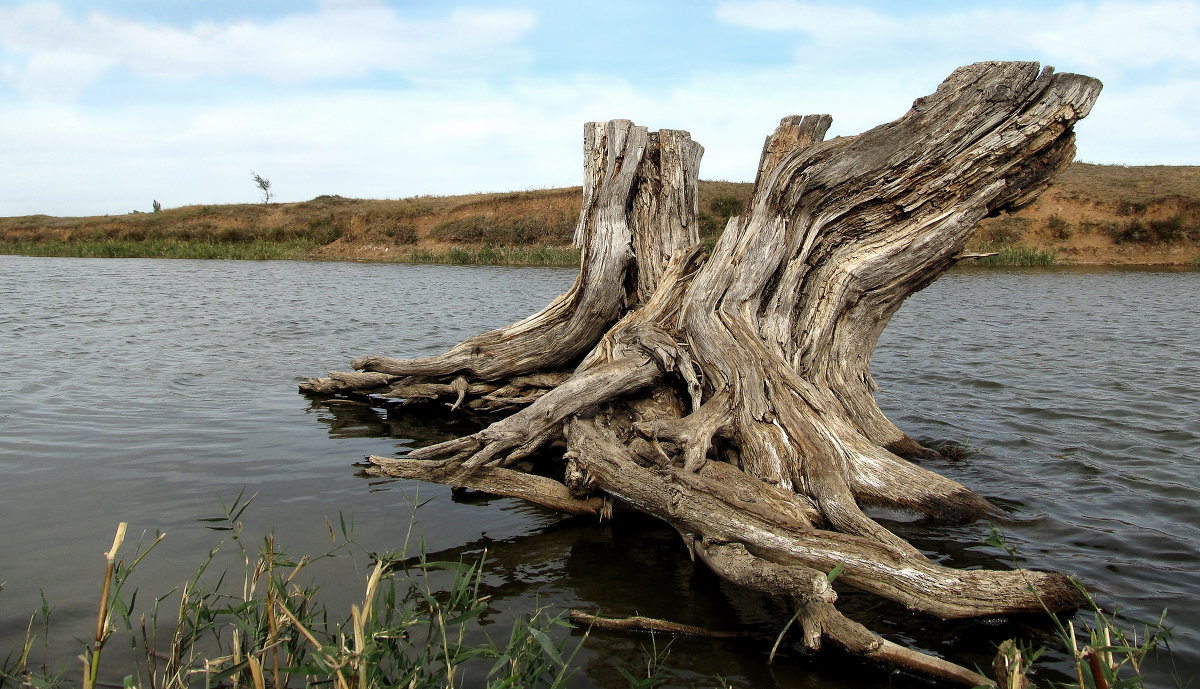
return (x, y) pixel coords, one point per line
(1088, 226)
(505, 230)
(1125, 207)
(326, 228)
(720, 209)
(400, 233)
(1006, 229)
(490, 255)
(1143, 231)
(233, 234)
(1059, 228)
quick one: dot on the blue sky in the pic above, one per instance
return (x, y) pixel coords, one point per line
(106, 106)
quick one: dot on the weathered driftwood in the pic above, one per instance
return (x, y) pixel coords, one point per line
(637, 623)
(731, 396)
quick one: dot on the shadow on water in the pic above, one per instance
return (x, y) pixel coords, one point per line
(412, 426)
(637, 565)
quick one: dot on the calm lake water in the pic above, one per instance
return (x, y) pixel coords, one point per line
(147, 391)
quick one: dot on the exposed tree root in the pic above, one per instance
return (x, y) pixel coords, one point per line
(731, 396)
(900, 574)
(514, 484)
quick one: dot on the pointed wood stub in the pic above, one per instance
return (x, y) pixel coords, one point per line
(665, 206)
(794, 134)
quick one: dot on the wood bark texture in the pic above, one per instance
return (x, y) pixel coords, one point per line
(731, 395)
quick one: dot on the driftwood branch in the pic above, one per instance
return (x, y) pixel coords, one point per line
(637, 623)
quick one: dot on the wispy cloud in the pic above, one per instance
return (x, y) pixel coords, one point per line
(51, 53)
(1085, 35)
(1145, 53)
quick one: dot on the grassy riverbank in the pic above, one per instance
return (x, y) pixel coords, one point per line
(1099, 214)
(1104, 214)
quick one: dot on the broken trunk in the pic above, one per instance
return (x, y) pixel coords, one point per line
(731, 395)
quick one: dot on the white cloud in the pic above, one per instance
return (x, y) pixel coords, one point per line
(340, 40)
(818, 20)
(52, 74)
(479, 118)
(459, 136)
(1150, 124)
(1106, 36)
(1145, 52)
(378, 144)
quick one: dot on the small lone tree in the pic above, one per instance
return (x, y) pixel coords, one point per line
(264, 185)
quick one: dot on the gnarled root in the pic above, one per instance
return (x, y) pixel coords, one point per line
(869, 565)
(731, 397)
(539, 490)
(512, 439)
(813, 598)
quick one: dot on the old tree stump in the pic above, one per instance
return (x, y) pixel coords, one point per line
(730, 395)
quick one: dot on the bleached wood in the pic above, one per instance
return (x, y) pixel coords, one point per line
(732, 396)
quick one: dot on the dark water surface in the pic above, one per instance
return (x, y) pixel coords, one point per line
(147, 390)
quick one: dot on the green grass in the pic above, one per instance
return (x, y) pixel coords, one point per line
(291, 249)
(1020, 257)
(491, 255)
(1110, 650)
(267, 249)
(255, 249)
(417, 625)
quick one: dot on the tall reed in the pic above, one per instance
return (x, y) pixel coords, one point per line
(416, 625)
(1108, 652)
(1020, 256)
(492, 255)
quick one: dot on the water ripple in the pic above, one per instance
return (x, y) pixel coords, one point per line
(1088, 410)
(142, 390)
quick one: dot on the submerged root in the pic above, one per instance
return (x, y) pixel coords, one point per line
(520, 435)
(539, 490)
(682, 500)
(813, 599)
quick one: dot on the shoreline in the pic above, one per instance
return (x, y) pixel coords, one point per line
(1091, 215)
(1182, 256)
(488, 255)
